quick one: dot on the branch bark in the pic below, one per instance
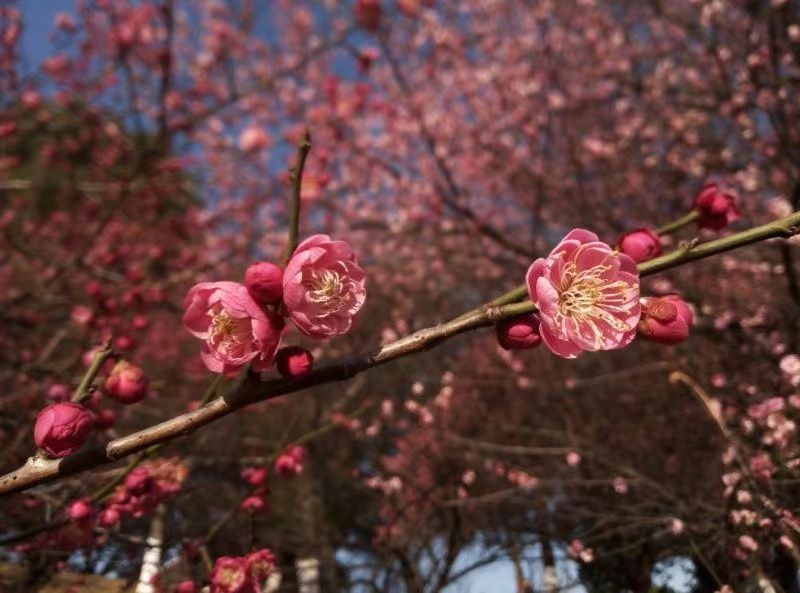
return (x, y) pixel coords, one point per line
(39, 470)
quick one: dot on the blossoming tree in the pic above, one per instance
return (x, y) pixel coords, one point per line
(220, 218)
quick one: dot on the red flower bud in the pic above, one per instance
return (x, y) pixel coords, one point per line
(264, 282)
(186, 587)
(640, 245)
(124, 343)
(255, 476)
(109, 517)
(290, 463)
(127, 383)
(80, 509)
(294, 362)
(254, 504)
(62, 428)
(105, 418)
(717, 208)
(519, 333)
(58, 392)
(666, 319)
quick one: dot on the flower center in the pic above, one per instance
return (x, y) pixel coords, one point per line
(228, 334)
(586, 298)
(230, 577)
(327, 288)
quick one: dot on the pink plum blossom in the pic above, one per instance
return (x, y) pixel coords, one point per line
(587, 295)
(230, 575)
(260, 565)
(323, 287)
(127, 383)
(234, 328)
(253, 138)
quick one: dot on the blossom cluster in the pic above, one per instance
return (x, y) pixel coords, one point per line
(588, 294)
(242, 574)
(321, 290)
(144, 489)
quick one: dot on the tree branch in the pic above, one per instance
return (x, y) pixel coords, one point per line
(39, 470)
(296, 175)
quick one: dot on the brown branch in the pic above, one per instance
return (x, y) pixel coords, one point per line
(39, 470)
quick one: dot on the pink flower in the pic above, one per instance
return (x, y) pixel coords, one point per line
(264, 281)
(80, 509)
(127, 383)
(109, 517)
(666, 320)
(253, 138)
(290, 463)
(587, 295)
(294, 362)
(255, 476)
(186, 587)
(748, 543)
(260, 565)
(323, 287)
(410, 8)
(58, 392)
(254, 504)
(717, 208)
(519, 333)
(232, 325)
(61, 429)
(640, 245)
(676, 526)
(230, 575)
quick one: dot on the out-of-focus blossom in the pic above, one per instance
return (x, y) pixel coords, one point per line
(718, 209)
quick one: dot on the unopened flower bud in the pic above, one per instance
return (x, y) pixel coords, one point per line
(127, 383)
(666, 320)
(294, 362)
(61, 429)
(640, 245)
(717, 208)
(80, 509)
(519, 333)
(264, 282)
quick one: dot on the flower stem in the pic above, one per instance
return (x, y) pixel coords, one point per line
(676, 225)
(296, 175)
(100, 358)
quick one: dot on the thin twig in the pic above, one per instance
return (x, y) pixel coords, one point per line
(296, 175)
